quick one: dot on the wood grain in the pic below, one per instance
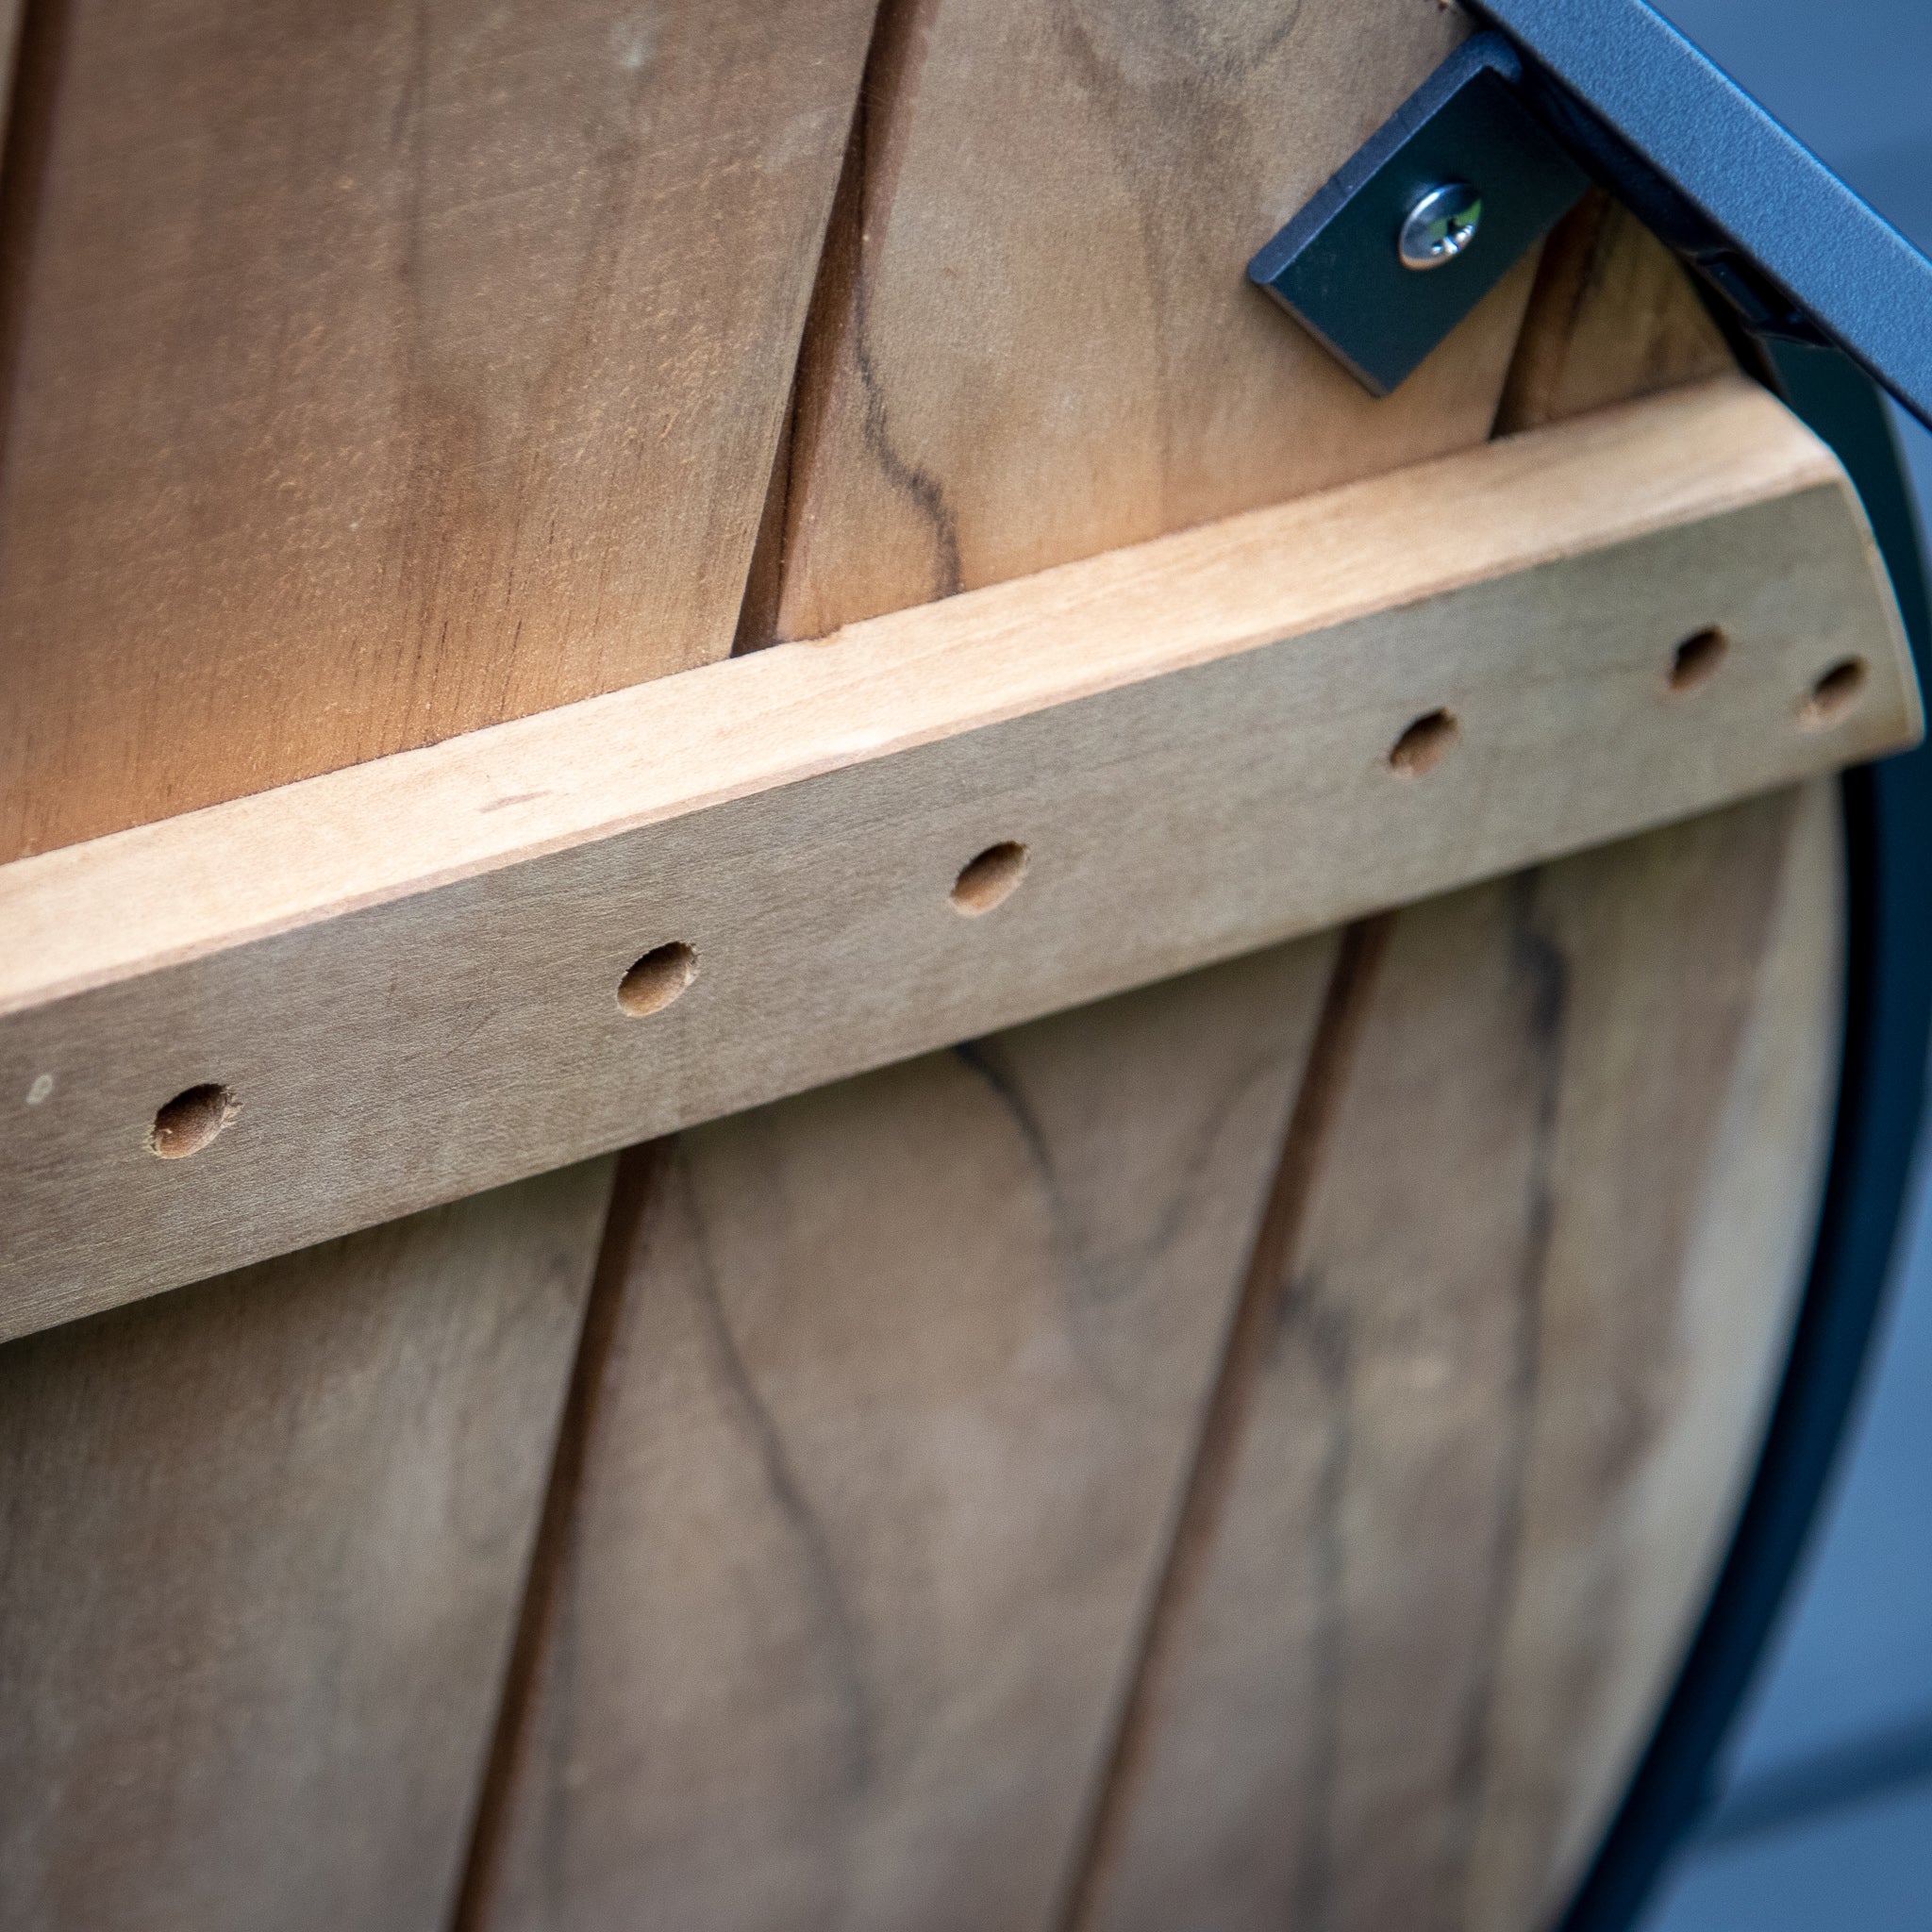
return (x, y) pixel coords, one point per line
(368, 379)
(10, 13)
(1361, 1701)
(261, 1551)
(1516, 1378)
(1612, 317)
(1679, 1288)
(423, 372)
(1039, 342)
(370, 385)
(905, 1378)
(406, 1053)
(1392, 549)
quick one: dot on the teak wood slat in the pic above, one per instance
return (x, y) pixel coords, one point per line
(1613, 317)
(1493, 1393)
(370, 376)
(375, 379)
(405, 977)
(905, 1373)
(264, 1542)
(1029, 346)
(370, 383)
(1260, 1771)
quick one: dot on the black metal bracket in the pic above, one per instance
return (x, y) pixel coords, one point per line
(1342, 268)
(1509, 133)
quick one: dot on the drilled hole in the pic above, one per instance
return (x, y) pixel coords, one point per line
(1426, 743)
(1835, 693)
(189, 1122)
(658, 978)
(984, 881)
(1697, 659)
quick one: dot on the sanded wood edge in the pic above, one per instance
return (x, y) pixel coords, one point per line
(176, 889)
(1172, 756)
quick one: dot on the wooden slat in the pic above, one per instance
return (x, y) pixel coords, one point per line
(1036, 341)
(1254, 1776)
(368, 380)
(260, 1550)
(404, 1053)
(1674, 1418)
(1612, 317)
(10, 13)
(904, 1376)
(370, 386)
(1521, 1348)
(1004, 418)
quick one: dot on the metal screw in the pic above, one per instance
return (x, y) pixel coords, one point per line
(1441, 226)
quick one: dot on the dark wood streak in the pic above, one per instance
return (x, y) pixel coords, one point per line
(1544, 973)
(1707, 896)
(841, 311)
(1321, 1332)
(891, 84)
(640, 1174)
(844, 1648)
(33, 89)
(1104, 1273)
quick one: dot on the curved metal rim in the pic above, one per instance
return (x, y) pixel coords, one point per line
(1881, 1096)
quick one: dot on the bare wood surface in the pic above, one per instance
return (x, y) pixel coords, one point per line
(1671, 1424)
(1340, 1714)
(904, 1377)
(11, 14)
(261, 1551)
(1036, 341)
(1398, 549)
(1612, 317)
(411, 1052)
(1202, 1514)
(367, 382)
(971, 409)
(787, 1310)
(332, 356)
(1517, 1377)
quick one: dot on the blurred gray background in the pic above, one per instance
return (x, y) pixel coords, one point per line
(1825, 1814)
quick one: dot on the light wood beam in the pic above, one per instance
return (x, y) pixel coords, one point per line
(406, 982)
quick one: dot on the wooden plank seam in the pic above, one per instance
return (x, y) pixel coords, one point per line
(631, 1201)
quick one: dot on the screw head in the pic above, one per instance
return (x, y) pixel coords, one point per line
(1440, 227)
